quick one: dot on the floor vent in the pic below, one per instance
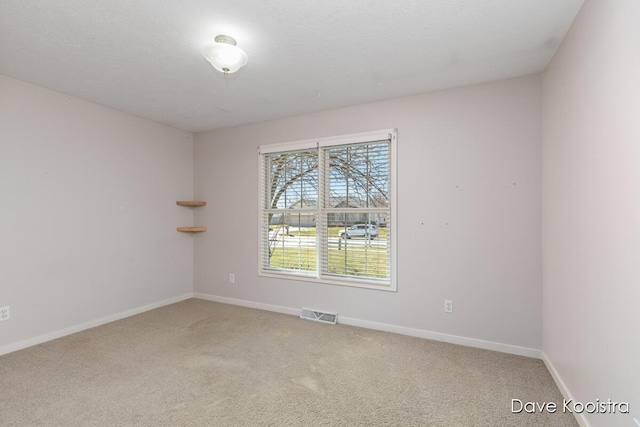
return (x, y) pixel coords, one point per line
(319, 316)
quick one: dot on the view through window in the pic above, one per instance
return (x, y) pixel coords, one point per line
(326, 210)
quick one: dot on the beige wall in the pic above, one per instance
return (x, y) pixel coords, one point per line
(591, 207)
(88, 212)
(468, 213)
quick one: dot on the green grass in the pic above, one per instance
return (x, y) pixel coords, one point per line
(293, 258)
(367, 261)
(357, 261)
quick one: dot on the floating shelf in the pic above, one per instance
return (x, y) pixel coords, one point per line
(192, 229)
(194, 204)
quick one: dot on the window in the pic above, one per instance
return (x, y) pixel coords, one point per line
(327, 210)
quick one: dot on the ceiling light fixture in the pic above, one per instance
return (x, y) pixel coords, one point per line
(224, 55)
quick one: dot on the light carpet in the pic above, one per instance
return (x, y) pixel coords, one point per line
(200, 363)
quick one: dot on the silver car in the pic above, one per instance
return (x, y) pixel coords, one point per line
(360, 230)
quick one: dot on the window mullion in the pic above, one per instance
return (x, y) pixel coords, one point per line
(321, 234)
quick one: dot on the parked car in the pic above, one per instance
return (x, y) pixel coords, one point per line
(360, 230)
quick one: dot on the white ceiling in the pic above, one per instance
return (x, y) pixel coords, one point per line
(145, 56)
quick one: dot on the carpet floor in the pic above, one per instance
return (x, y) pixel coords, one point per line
(200, 363)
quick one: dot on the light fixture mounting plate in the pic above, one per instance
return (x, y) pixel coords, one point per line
(225, 39)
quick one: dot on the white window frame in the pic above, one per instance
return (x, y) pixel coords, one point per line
(316, 276)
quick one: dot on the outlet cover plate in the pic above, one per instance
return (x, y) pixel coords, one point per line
(448, 306)
(5, 314)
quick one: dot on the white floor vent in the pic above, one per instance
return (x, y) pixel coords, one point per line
(319, 316)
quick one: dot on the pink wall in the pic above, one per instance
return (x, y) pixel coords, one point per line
(469, 207)
(88, 213)
(591, 208)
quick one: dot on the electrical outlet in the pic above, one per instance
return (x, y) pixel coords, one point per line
(4, 313)
(232, 278)
(448, 306)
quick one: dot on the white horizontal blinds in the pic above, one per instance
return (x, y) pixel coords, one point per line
(289, 207)
(292, 247)
(358, 176)
(356, 212)
(359, 256)
(326, 209)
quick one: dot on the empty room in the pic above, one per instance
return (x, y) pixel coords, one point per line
(400, 213)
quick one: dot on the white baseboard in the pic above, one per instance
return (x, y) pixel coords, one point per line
(437, 336)
(9, 348)
(249, 304)
(413, 332)
(582, 420)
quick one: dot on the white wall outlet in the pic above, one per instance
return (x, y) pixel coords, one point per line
(4, 313)
(448, 306)
(232, 278)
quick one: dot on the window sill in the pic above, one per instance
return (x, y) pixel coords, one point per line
(353, 283)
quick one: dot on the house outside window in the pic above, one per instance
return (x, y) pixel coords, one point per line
(327, 210)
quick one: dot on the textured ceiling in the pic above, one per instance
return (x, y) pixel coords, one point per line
(145, 56)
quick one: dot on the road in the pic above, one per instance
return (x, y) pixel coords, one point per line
(310, 241)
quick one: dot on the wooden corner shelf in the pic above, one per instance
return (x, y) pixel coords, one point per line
(191, 229)
(194, 204)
